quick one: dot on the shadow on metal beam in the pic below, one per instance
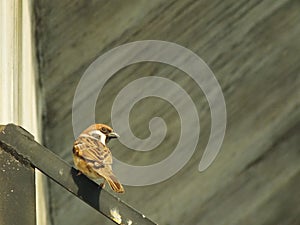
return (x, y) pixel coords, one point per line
(21, 145)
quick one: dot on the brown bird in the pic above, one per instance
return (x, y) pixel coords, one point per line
(93, 158)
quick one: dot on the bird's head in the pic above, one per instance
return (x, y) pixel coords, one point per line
(102, 132)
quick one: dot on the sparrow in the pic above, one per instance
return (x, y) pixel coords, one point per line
(93, 158)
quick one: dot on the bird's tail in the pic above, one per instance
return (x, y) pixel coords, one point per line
(115, 184)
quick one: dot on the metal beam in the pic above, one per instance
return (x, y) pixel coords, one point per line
(17, 191)
(20, 144)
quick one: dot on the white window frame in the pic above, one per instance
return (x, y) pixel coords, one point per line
(18, 81)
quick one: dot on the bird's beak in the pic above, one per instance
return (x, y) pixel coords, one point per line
(113, 135)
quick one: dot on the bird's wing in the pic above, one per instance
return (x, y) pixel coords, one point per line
(93, 152)
(99, 158)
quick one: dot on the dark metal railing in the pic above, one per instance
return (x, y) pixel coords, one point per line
(17, 145)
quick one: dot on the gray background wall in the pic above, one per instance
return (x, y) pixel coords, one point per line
(252, 47)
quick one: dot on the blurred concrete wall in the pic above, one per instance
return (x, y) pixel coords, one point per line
(253, 49)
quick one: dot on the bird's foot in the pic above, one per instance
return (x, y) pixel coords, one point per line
(78, 173)
(102, 185)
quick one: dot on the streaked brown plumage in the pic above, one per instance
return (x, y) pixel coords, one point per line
(93, 158)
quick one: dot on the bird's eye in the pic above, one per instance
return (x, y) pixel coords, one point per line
(104, 130)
